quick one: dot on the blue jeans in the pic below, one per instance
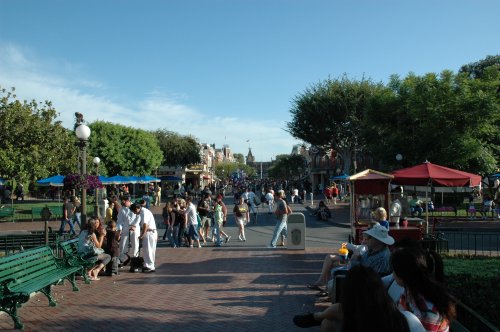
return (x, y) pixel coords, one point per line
(173, 236)
(216, 231)
(63, 226)
(278, 230)
(78, 219)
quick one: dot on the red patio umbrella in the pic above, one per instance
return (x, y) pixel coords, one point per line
(428, 174)
(431, 174)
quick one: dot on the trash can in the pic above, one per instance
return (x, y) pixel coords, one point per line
(296, 231)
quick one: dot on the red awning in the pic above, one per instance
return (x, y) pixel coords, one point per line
(428, 173)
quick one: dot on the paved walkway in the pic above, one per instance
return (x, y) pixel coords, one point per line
(240, 287)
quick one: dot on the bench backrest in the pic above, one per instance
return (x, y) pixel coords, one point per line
(28, 264)
(70, 247)
(17, 242)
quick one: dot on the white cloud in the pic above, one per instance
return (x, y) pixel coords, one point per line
(69, 94)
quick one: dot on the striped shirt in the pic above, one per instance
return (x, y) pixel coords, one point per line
(426, 312)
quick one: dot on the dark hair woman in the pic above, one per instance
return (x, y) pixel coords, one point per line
(424, 295)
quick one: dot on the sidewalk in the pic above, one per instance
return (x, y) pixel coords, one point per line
(233, 288)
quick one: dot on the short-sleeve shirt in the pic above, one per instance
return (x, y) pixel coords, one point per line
(379, 261)
(281, 207)
(191, 215)
(148, 219)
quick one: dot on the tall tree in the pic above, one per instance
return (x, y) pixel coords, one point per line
(239, 158)
(178, 150)
(448, 119)
(477, 69)
(288, 167)
(124, 150)
(328, 115)
(33, 144)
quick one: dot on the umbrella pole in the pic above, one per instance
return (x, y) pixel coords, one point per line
(426, 211)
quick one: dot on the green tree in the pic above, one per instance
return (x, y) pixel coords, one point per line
(477, 69)
(290, 167)
(178, 150)
(239, 158)
(124, 150)
(448, 119)
(328, 115)
(33, 145)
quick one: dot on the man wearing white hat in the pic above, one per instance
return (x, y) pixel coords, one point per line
(377, 256)
(377, 241)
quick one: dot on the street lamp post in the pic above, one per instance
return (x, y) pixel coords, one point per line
(96, 161)
(83, 134)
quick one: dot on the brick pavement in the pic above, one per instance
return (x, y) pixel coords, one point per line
(234, 288)
(241, 287)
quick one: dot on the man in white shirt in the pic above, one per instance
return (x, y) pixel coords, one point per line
(270, 201)
(124, 219)
(192, 222)
(149, 236)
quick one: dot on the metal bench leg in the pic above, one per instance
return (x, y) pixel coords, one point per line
(71, 279)
(47, 292)
(10, 304)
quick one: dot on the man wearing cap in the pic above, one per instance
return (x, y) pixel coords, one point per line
(149, 236)
(124, 219)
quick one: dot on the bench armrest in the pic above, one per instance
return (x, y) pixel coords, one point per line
(5, 285)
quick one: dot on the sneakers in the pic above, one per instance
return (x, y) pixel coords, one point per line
(199, 246)
(271, 246)
(306, 320)
(227, 239)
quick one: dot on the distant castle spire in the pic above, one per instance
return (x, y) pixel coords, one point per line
(250, 158)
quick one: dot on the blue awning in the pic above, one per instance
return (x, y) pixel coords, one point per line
(53, 181)
(340, 177)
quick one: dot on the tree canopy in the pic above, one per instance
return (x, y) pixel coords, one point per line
(32, 144)
(328, 115)
(178, 150)
(288, 167)
(448, 119)
(124, 150)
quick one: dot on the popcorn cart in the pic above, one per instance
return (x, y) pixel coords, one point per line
(370, 189)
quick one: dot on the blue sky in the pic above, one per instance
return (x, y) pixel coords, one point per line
(225, 71)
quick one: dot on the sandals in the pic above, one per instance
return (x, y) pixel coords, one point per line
(314, 287)
(322, 294)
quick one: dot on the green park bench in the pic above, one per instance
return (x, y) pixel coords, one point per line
(12, 243)
(6, 212)
(74, 258)
(28, 272)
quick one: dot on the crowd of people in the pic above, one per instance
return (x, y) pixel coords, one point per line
(383, 290)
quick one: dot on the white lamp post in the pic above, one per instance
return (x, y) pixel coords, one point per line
(83, 134)
(96, 162)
